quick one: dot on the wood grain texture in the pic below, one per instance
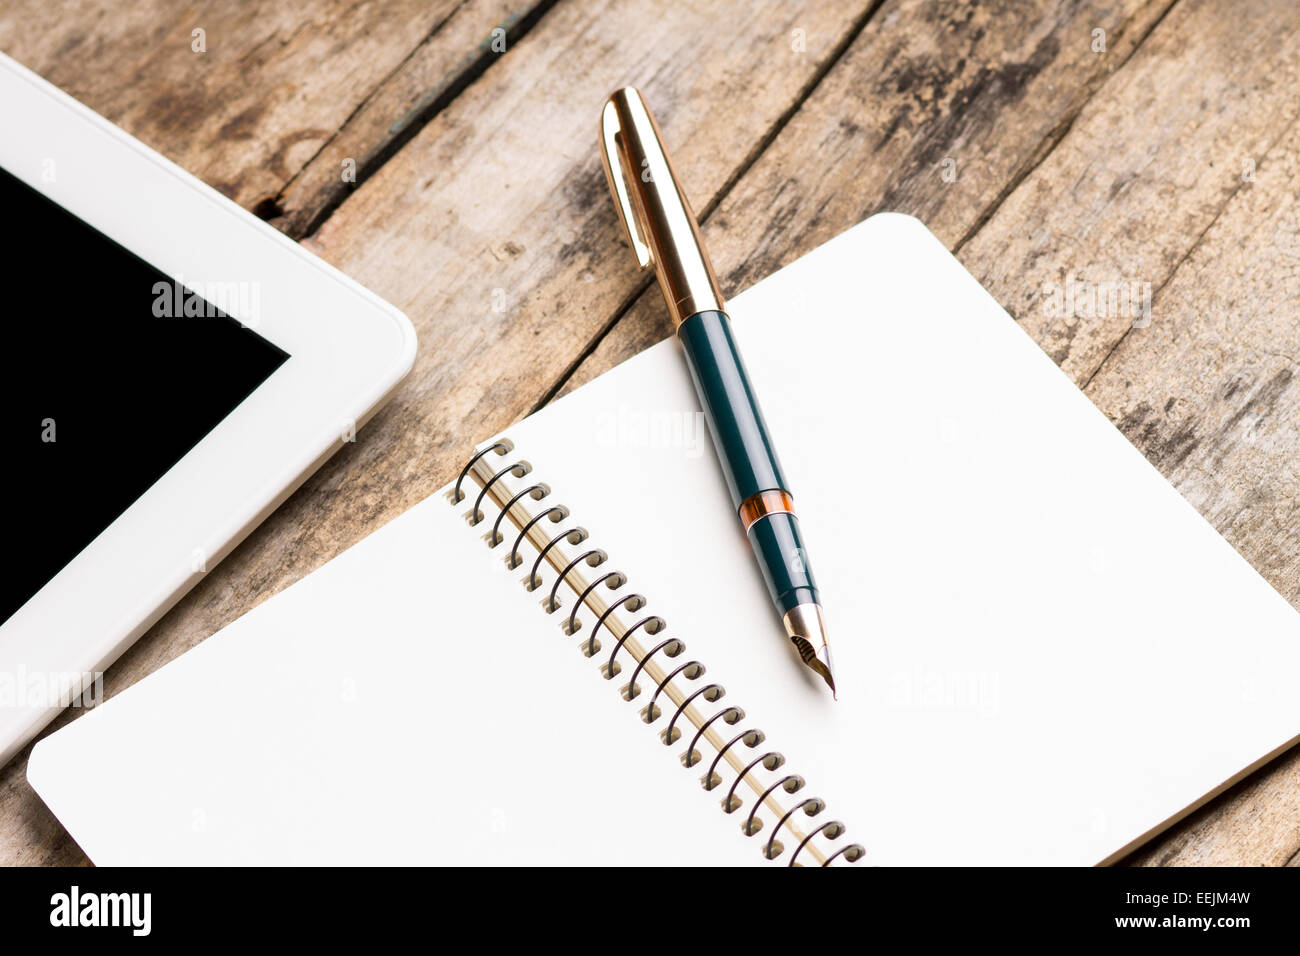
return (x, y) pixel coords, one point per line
(275, 85)
(482, 212)
(1145, 170)
(928, 113)
(457, 51)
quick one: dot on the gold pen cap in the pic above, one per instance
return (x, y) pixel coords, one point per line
(656, 215)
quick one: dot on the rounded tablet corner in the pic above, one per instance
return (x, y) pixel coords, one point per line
(410, 342)
(398, 358)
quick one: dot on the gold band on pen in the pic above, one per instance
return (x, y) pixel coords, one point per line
(765, 503)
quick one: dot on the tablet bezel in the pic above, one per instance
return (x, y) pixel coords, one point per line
(347, 349)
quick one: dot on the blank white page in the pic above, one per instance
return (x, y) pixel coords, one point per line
(1043, 652)
(401, 705)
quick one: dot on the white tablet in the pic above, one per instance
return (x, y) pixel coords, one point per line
(173, 368)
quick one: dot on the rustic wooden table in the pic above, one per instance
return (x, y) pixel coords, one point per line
(1047, 143)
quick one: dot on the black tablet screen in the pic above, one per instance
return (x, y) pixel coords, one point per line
(111, 374)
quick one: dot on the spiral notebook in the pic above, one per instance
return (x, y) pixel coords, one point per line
(568, 656)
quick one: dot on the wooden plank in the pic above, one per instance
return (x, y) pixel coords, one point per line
(1210, 392)
(274, 85)
(1144, 172)
(914, 102)
(466, 44)
(491, 228)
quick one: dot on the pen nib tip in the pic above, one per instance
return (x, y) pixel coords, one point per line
(805, 625)
(830, 681)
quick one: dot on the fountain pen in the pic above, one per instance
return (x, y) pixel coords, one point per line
(663, 233)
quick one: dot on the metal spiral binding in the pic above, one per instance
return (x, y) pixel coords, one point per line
(680, 686)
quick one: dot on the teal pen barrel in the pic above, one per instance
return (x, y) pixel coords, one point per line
(747, 455)
(735, 420)
(775, 539)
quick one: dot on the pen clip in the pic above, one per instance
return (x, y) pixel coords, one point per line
(657, 218)
(628, 214)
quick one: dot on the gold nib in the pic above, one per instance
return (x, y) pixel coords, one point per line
(807, 629)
